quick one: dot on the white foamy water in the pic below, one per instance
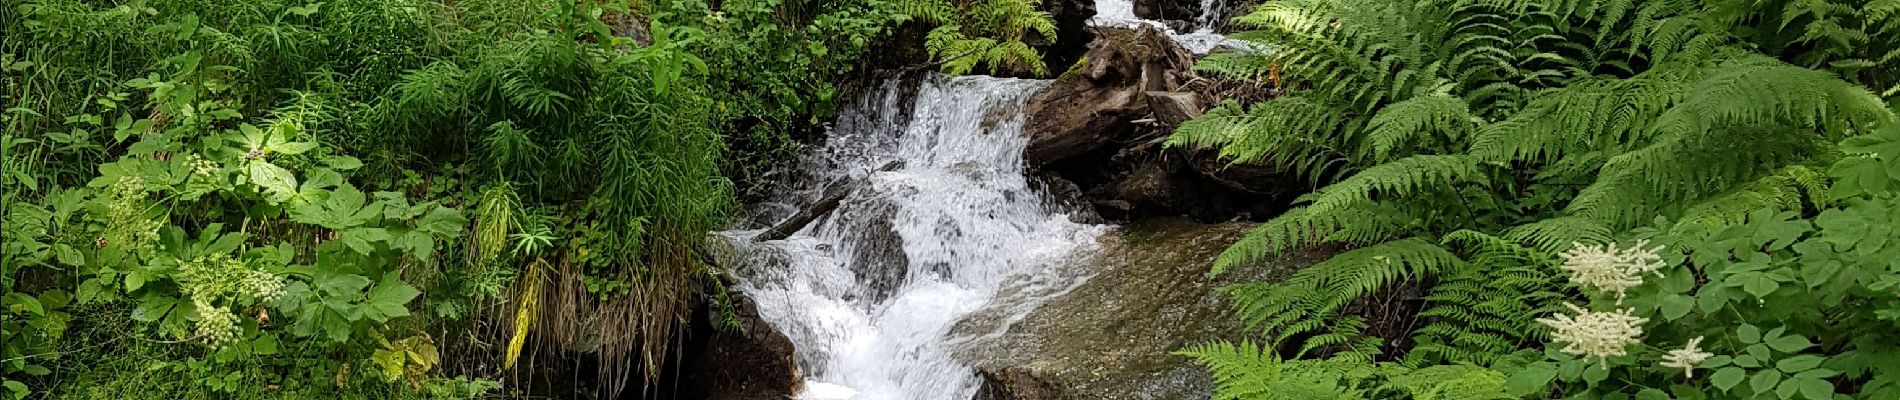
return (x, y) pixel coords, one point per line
(1121, 13)
(869, 294)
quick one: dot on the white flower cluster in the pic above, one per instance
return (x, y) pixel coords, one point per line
(1687, 357)
(1609, 269)
(201, 166)
(216, 325)
(129, 227)
(213, 281)
(1596, 334)
(267, 287)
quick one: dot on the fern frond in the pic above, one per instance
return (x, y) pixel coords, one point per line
(1449, 382)
(1398, 178)
(1248, 371)
(1358, 225)
(1307, 301)
(1415, 118)
(1783, 191)
(1554, 235)
(1486, 308)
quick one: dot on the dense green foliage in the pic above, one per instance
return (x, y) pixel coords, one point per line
(356, 198)
(1466, 146)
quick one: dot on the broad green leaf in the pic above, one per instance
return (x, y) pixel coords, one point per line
(89, 291)
(1676, 306)
(1816, 389)
(54, 299)
(17, 302)
(1757, 283)
(1799, 363)
(1651, 394)
(1786, 389)
(1595, 373)
(272, 178)
(292, 148)
(391, 363)
(343, 284)
(15, 389)
(390, 299)
(1760, 352)
(417, 243)
(153, 307)
(1790, 343)
(1727, 378)
(69, 256)
(266, 344)
(442, 222)
(364, 240)
(1748, 333)
(1764, 380)
(343, 163)
(1711, 299)
(1532, 378)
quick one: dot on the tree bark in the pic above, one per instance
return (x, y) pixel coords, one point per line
(824, 205)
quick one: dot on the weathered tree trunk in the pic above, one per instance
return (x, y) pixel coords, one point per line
(834, 196)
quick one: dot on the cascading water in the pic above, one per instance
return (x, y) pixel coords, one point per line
(869, 294)
(1203, 39)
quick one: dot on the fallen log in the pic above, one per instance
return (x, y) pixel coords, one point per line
(833, 197)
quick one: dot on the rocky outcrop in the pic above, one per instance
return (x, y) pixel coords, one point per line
(1112, 337)
(876, 251)
(1168, 10)
(748, 362)
(1096, 102)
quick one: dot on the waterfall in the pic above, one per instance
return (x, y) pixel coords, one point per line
(869, 294)
(1202, 40)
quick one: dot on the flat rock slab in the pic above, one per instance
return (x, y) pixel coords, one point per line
(1112, 336)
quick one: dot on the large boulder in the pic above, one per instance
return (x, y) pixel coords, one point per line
(743, 361)
(748, 362)
(1168, 10)
(1112, 337)
(1095, 103)
(876, 251)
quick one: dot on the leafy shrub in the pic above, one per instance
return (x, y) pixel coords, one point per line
(1463, 148)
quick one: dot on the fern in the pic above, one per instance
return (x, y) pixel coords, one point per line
(1513, 129)
(1398, 178)
(988, 33)
(1418, 118)
(1247, 371)
(1486, 309)
(1789, 189)
(1304, 303)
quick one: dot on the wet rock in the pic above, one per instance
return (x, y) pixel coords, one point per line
(1065, 197)
(872, 246)
(1094, 104)
(1112, 337)
(1168, 10)
(749, 362)
(1251, 178)
(1151, 185)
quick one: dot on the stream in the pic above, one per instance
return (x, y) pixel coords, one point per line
(869, 294)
